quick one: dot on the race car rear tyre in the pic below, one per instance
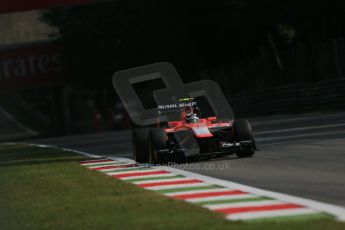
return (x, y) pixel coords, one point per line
(243, 132)
(139, 143)
(157, 141)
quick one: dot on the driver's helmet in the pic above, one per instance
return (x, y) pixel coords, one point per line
(192, 118)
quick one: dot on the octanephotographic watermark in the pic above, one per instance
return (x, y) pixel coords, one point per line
(203, 166)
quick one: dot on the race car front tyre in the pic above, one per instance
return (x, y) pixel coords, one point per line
(139, 143)
(157, 141)
(243, 132)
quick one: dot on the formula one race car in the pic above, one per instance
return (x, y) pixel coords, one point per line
(192, 136)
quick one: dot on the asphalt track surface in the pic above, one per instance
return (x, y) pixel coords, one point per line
(301, 155)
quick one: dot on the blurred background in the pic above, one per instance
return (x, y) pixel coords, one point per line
(270, 57)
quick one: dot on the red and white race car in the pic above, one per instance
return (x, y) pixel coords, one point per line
(192, 136)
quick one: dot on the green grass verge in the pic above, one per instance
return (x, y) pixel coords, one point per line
(46, 188)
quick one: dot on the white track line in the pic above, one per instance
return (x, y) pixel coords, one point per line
(69, 150)
(301, 117)
(20, 125)
(106, 164)
(148, 176)
(123, 159)
(154, 188)
(119, 169)
(95, 165)
(162, 180)
(197, 191)
(300, 136)
(243, 204)
(129, 172)
(96, 162)
(224, 197)
(267, 214)
(301, 128)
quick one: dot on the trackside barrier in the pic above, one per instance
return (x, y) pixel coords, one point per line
(321, 96)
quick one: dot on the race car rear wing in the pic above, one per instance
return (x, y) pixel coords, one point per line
(174, 111)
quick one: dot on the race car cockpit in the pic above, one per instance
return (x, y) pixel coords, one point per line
(192, 118)
(191, 115)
